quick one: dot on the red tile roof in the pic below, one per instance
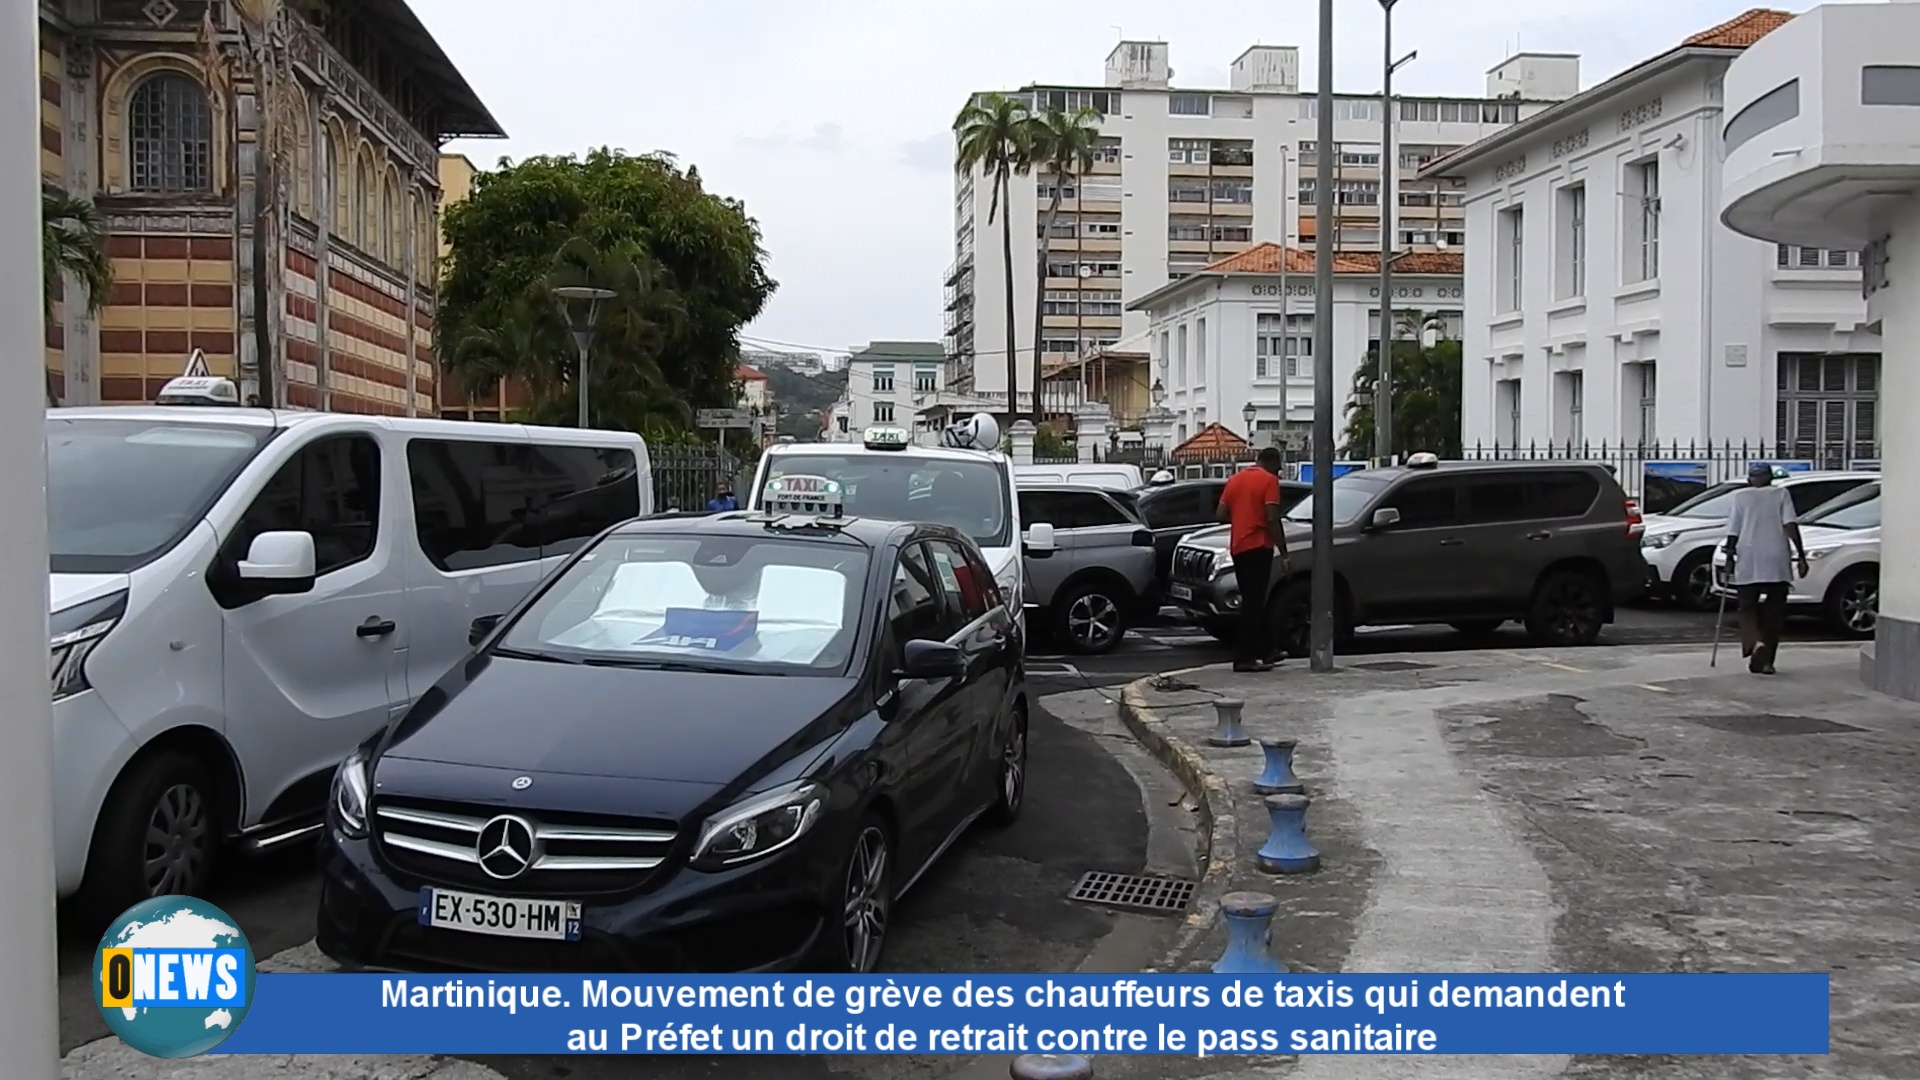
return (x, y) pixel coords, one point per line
(1741, 30)
(1264, 258)
(748, 374)
(1211, 441)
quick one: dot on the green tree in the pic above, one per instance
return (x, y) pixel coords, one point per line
(993, 133)
(686, 266)
(1061, 146)
(1426, 394)
(73, 241)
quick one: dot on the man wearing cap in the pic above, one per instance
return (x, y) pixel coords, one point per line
(1764, 551)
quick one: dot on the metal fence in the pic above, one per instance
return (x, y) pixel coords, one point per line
(685, 476)
(1661, 475)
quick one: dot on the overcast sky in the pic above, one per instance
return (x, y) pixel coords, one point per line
(831, 118)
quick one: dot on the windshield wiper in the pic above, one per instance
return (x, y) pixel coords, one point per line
(664, 665)
(523, 654)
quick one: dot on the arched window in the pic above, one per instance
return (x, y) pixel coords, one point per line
(338, 186)
(169, 135)
(302, 180)
(393, 241)
(362, 202)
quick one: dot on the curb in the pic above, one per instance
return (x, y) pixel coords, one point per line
(1216, 812)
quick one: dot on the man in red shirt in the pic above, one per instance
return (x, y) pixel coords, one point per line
(1251, 504)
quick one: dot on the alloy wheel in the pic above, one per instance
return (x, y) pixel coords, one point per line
(1013, 769)
(175, 853)
(1699, 587)
(867, 900)
(1860, 605)
(1093, 620)
(1573, 610)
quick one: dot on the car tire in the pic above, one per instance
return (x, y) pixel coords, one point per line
(1692, 584)
(159, 834)
(1090, 619)
(855, 931)
(1010, 774)
(1568, 609)
(1852, 604)
(1477, 627)
(1290, 617)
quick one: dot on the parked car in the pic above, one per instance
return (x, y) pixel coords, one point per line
(1842, 586)
(239, 596)
(1112, 475)
(718, 745)
(1679, 544)
(1098, 579)
(1177, 509)
(1470, 544)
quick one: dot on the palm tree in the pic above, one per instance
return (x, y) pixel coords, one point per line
(1426, 392)
(992, 132)
(630, 330)
(1062, 145)
(73, 241)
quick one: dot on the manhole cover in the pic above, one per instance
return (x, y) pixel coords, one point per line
(1138, 892)
(1393, 665)
(1772, 724)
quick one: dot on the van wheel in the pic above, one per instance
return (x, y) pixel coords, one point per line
(1568, 608)
(158, 835)
(1090, 620)
(1853, 603)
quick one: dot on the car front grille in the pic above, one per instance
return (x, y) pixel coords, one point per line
(573, 855)
(1193, 564)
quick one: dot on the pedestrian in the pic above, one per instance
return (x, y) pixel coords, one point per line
(1250, 503)
(1764, 553)
(723, 499)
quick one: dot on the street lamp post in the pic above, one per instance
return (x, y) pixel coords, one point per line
(583, 327)
(1389, 202)
(1321, 589)
(1250, 413)
(29, 1021)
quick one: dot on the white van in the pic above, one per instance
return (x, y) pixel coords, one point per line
(1114, 476)
(240, 596)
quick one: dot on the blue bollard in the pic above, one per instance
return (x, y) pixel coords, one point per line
(1288, 851)
(1227, 730)
(1279, 778)
(1249, 918)
(1051, 1067)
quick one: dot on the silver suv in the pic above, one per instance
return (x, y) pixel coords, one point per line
(1098, 578)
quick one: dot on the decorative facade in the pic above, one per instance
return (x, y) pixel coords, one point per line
(270, 194)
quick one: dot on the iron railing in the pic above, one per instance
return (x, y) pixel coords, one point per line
(1661, 475)
(685, 476)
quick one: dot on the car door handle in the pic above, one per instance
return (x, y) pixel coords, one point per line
(1452, 541)
(375, 626)
(1540, 536)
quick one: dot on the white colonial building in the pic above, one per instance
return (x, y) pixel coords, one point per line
(1239, 333)
(1607, 302)
(1823, 150)
(888, 382)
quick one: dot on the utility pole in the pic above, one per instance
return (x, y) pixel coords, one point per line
(1322, 571)
(29, 1018)
(1389, 199)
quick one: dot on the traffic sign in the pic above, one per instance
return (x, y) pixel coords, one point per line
(724, 418)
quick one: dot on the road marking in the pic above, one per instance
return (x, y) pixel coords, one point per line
(1562, 667)
(1052, 669)
(1655, 689)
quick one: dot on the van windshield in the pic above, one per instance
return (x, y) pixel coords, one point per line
(120, 493)
(972, 496)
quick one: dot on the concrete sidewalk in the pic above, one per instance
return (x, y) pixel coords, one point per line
(1614, 810)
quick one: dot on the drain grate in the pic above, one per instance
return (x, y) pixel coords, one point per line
(1393, 665)
(1137, 892)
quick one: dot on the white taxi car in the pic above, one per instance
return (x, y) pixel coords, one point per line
(1842, 585)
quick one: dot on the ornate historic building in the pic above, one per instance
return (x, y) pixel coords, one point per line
(293, 173)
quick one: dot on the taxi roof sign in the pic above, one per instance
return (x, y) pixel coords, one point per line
(205, 390)
(816, 496)
(886, 438)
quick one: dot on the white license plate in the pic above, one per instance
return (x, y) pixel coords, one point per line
(553, 920)
(1180, 592)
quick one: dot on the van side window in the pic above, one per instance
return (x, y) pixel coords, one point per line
(331, 489)
(480, 504)
(578, 492)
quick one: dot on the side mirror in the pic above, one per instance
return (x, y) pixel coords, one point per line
(931, 660)
(1385, 518)
(478, 630)
(280, 563)
(1040, 542)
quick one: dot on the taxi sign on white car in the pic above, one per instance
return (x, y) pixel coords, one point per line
(887, 438)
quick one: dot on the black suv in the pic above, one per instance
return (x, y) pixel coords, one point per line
(1472, 544)
(1178, 509)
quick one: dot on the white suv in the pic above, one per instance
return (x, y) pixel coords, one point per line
(1679, 544)
(1842, 585)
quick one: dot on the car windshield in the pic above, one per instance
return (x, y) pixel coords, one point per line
(120, 493)
(1713, 504)
(1351, 495)
(1857, 509)
(747, 604)
(972, 496)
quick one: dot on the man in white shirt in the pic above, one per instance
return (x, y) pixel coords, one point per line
(1764, 551)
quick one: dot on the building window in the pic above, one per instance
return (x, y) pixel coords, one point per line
(170, 136)
(1233, 191)
(362, 199)
(1060, 346)
(391, 233)
(1827, 410)
(926, 380)
(1269, 346)
(1299, 342)
(1180, 372)
(1789, 257)
(1512, 262)
(1188, 105)
(1200, 353)
(1572, 429)
(883, 412)
(1643, 384)
(1570, 278)
(1166, 355)
(882, 380)
(1507, 399)
(1643, 222)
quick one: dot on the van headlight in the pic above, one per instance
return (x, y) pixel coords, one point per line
(72, 636)
(347, 802)
(758, 826)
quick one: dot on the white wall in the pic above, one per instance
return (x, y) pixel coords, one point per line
(1713, 323)
(871, 401)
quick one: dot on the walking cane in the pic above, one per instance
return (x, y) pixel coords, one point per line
(1720, 620)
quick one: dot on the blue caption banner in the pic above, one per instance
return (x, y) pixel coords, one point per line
(1188, 1015)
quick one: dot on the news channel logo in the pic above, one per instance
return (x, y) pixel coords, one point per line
(175, 976)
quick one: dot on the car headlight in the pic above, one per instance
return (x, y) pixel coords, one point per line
(1664, 540)
(347, 803)
(759, 826)
(1222, 562)
(72, 636)
(1818, 553)
(1008, 579)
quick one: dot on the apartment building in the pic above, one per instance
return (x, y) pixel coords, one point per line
(1606, 301)
(886, 383)
(1187, 176)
